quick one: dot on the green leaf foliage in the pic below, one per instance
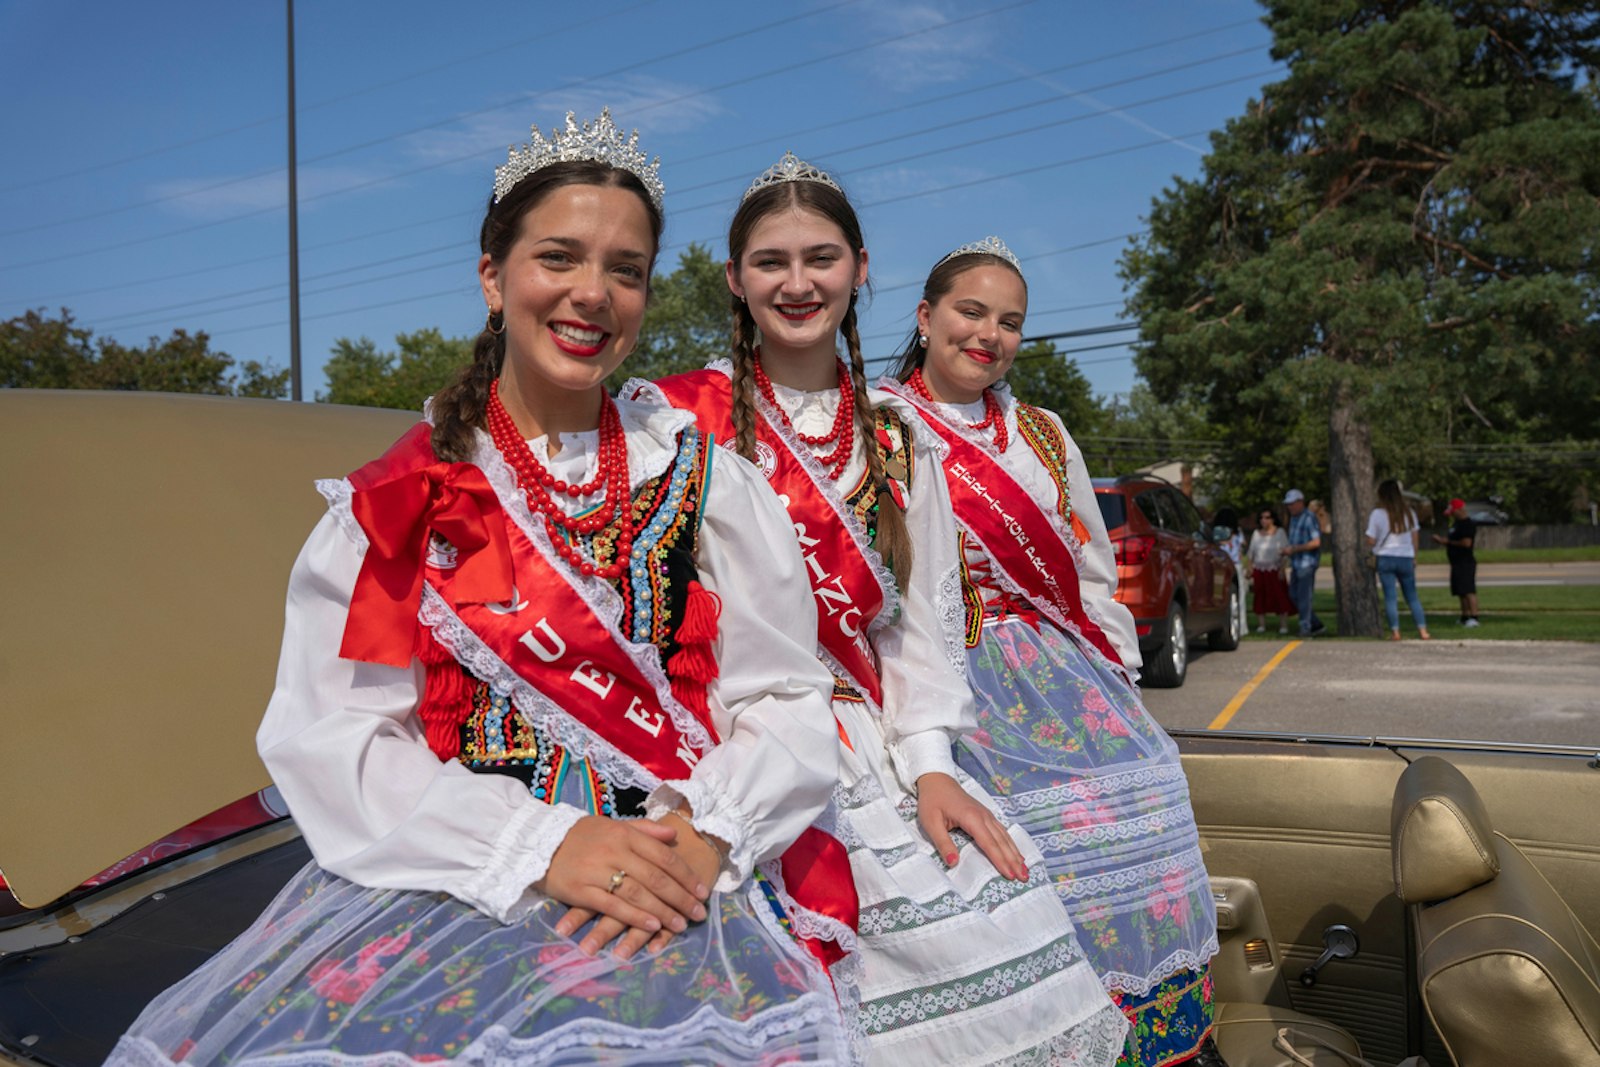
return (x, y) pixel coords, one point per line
(41, 352)
(423, 362)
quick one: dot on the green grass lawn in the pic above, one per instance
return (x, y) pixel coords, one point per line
(1519, 555)
(1505, 613)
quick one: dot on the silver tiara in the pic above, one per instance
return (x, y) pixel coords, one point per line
(791, 168)
(989, 246)
(599, 141)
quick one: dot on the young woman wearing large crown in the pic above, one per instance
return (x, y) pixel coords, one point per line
(967, 955)
(1063, 738)
(561, 591)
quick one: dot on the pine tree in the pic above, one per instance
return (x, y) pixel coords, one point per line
(1407, 220)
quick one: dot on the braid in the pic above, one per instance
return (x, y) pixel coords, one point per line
(894, 540)
(460, 407)
(744, 357)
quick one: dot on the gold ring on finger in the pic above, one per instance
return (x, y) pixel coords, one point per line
(616, 881)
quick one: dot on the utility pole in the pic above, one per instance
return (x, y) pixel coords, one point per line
(296, 392)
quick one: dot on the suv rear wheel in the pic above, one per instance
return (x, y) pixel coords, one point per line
(1167, 668)
(1226, 638)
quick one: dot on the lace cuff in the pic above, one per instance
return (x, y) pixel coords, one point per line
(520, 857)
(923, 753)
(715, 815)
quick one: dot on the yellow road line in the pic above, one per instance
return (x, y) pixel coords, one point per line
(1250, 687)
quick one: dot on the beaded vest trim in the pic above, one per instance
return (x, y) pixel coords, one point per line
(1046, 441)
(666, 521)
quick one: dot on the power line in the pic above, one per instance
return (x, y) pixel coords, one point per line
(329, 101)
(1157, 73)
(773, 72)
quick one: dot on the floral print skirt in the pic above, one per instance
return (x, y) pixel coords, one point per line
(334, 973)
(1168, 1024)
(1067, 746)
(959, 965)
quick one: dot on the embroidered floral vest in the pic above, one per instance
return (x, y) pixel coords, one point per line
(666, 521)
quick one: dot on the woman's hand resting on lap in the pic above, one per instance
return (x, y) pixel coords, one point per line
(942, 806)
(666, 881)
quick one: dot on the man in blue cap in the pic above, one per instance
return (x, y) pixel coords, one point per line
(1305, 555)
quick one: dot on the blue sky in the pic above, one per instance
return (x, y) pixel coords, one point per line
(145, 186)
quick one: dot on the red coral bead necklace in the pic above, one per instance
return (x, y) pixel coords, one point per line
(992, 415)
(842, 431)
(541, 487)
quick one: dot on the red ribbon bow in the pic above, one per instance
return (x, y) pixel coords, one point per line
(453, 500)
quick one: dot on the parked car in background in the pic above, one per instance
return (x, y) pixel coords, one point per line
(1176, 580)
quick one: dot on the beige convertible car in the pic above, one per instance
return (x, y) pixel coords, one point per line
(1381, 899)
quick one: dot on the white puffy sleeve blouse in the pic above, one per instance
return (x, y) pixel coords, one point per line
(377, 806)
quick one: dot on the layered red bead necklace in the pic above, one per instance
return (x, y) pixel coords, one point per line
(992, 415)
(541, 487)
(844, 423)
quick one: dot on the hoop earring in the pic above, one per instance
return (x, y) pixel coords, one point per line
(488, 322)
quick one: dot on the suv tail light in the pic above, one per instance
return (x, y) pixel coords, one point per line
(1134, 550)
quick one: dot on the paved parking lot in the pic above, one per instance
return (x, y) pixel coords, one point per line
(1585, 572)
(1546, 692)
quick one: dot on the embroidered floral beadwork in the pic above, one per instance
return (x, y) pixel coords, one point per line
(1051, 448)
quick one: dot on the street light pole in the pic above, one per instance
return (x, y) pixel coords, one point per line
(294, 232)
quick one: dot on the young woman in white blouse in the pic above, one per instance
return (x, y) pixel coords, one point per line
(1062, 736)
(1392, 530)
(967, 955)
(547, 698)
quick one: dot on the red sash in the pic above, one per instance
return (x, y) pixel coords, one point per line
(540, 625)
(1011, 528)
(850, 594)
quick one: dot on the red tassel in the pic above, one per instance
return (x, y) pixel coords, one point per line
(694, 666)
(701, 610)
(446, 696)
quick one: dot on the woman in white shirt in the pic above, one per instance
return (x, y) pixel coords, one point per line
(1392, 536)
(547, 688)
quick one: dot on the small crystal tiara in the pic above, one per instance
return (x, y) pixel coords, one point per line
(989, 246)
(599, 141)
(791, 168)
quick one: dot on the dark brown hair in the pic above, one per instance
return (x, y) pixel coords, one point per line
(459, 407)
(940, 281)
(893, 541)
(1394, 502)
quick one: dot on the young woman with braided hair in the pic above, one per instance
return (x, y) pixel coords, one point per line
(533, 720)
(1063, 738)
(967, 954)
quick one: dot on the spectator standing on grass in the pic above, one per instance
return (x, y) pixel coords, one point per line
(1463, 564)
(1392, 535)
(1305, 555)
(1270, 596)
(1324, 522)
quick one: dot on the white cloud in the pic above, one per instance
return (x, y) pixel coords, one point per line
(655, 105)
(217, 197)
(924, 58)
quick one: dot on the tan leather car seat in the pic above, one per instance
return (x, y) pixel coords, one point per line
(1508, 974)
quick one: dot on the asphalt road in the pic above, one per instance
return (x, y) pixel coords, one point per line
(1545, 692)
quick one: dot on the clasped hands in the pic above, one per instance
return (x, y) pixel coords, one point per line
(667, 868)
(644, 880)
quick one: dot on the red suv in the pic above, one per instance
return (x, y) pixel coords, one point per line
(1170, 573)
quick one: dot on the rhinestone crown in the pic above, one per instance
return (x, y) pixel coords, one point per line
(600, 141)
(991, 246)
(791, 168)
